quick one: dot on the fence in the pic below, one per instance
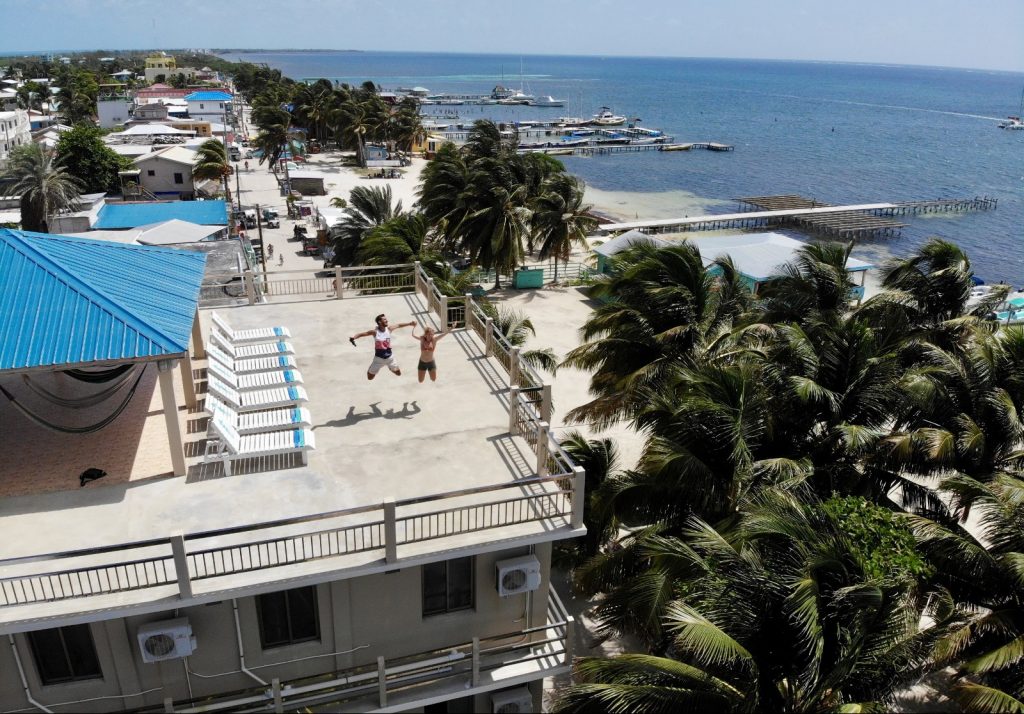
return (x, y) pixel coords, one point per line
(184, 560)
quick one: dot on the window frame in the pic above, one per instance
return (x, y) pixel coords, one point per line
(448, 608)
(179, 178)
(260, 603)
(68, 659)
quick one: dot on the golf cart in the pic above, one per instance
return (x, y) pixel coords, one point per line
(270, 218)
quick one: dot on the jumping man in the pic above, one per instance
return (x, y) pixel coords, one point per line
(428, 341)
(381, 346)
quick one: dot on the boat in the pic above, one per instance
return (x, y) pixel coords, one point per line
(582, 132)
(1015, 123)
(570, 121)
(501, 92)
(534, 145)
(517, 98)
(547, 101)
(570, 142)
(615, 139)
(605, 117)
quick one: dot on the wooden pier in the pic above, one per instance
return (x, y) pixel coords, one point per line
(843, 222)
(604, 149)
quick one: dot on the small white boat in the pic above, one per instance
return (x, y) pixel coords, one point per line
(547, 101)
(1012, 123)
(605, 117)
(571, 142)
(517, 98)
(570, 121)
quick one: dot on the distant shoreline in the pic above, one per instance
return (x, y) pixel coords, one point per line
(278, 51)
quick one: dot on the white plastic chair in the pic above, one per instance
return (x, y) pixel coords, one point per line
(261, 349)
(249, 365)
(255, 400)
(241, 337)
(257, 422)
(230, 445)
(255, 380)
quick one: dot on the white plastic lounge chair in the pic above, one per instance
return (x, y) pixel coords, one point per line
(257, 400)
(262, 349)
(257, 422)
(256, 380)
(241, 337)
(231, 445)
(251, 364)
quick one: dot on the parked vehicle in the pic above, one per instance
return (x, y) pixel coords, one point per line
(310, 246)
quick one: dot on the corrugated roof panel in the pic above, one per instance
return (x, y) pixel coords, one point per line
(73, 300)
(132, 215)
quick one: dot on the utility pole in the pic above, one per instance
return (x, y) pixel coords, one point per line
(238, 188)
(263, 247)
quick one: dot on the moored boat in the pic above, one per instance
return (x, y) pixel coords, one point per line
(605, 117)
(547, 101)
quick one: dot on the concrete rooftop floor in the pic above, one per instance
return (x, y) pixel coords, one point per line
(390, 437)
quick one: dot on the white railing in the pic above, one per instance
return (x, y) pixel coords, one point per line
(184, 560)
(460, 667)
(339, 283)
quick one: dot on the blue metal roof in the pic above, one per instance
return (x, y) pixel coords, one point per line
(208, 96)
(70, 301)
(132, 215)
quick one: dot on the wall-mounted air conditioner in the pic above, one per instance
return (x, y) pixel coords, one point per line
(512, 701)
(167, 639)
(518, 575)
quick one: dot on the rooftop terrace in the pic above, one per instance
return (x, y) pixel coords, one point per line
(402, 472)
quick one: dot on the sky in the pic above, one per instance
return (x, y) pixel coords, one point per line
(983, 34)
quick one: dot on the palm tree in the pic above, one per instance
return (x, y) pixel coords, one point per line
(517, 328)
(442, 193)
(497, 221)
(45, 186)
(367, 208)
(660, 308)
(599, 459)
(776, 612)
(985, 574)
(395, 241)
(212, 165)
(560, 218)
(814, 287)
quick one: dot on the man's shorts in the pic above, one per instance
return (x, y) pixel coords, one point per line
(380, 362)
(426, 366)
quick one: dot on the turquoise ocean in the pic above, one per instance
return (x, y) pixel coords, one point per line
(838, 132)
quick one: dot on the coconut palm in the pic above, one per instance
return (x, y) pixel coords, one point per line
(442, 193)
(660, 308)
(561, 219)
(212, 165)
(599, 458)
(497, 219)
(815, 286)
(985, 573)
(776, 612)
(517, 328)
(45, 186)
(367, 208)
(397, 240)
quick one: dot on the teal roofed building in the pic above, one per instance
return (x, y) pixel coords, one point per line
(114, 216)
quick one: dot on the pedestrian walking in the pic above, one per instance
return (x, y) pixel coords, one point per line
(270, 249)
(280, 259)
(382, 353)
(428, 342)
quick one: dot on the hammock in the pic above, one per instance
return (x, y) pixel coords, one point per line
(104, 375)
(88, 400)
(75, 429)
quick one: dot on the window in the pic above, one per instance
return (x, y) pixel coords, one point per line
(202, 106)
(178, 178)
(288, 617)
(448, 586)
(65, 654)
(150, 172)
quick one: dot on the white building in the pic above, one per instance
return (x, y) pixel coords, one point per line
(208, 104)
(167, 173)
(113, 110)
(402, 565)
(14, 132)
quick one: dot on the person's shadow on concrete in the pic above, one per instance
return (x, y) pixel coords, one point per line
(408, 411)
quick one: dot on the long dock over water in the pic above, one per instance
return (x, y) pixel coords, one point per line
(601, 150)
(845, 222)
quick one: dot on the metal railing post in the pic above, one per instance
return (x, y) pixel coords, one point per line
(570, 631)
(513, 366)
(513, 407)
(542, 448)
(476, 662)
(382, 682)
(579, 495)
(390, 531)
(275, 685)
(250, 289)
(489, 337)
(339, 288)
(181, 566)
(545, 403)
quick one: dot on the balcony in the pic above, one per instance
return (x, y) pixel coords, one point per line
(403, 473)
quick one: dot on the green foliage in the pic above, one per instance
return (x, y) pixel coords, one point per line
(85, 156)
(884, 546)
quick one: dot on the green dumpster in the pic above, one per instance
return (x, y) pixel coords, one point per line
(528, 278)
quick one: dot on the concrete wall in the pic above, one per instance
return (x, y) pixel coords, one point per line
(113, 112)
(162, 182)
(360, 619)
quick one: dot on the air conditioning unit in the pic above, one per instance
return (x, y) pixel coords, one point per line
(512, 701)
(167, 639)
(518, 575)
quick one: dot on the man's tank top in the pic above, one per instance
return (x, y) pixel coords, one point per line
(382, 343)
